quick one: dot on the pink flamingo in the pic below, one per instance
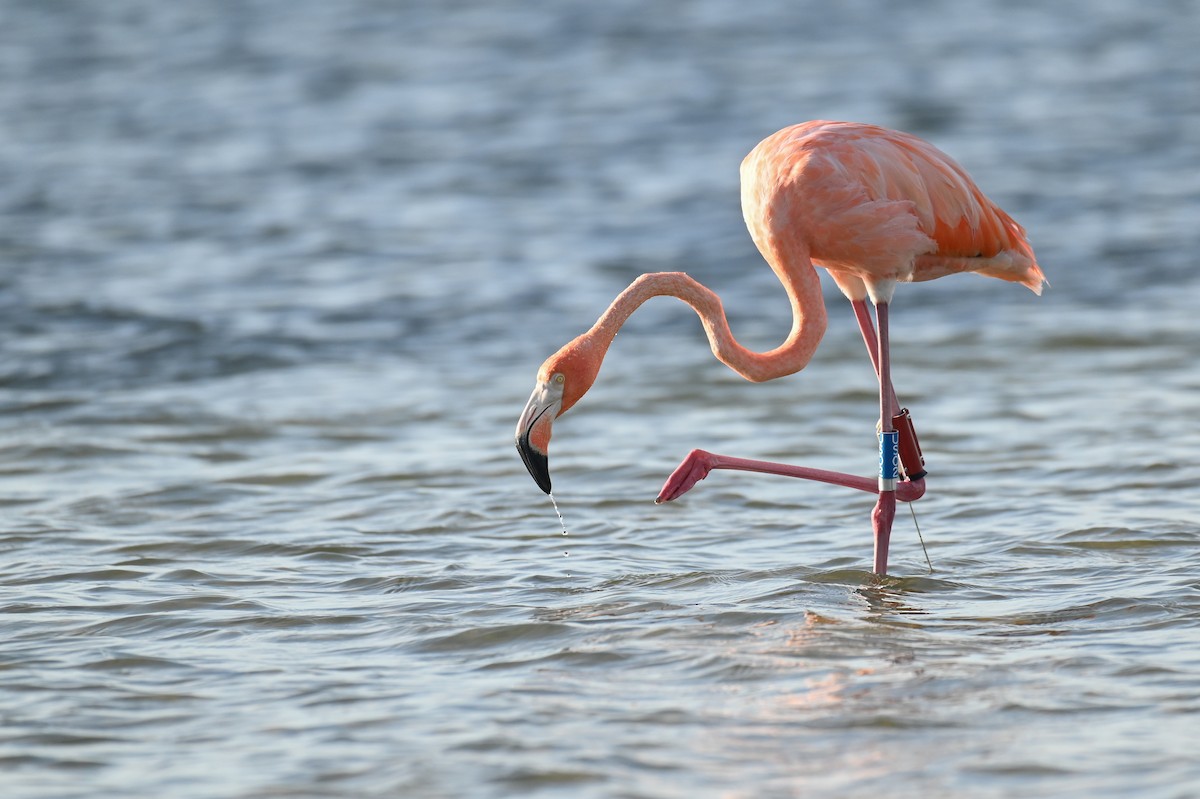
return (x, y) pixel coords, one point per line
(874, 207)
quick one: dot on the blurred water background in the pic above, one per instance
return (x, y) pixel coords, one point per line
(275, 279)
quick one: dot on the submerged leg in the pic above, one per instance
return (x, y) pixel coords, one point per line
(889, 456)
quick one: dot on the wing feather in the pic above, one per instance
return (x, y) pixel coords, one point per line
(880, 204)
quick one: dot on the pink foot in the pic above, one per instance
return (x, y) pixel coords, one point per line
(694, 468)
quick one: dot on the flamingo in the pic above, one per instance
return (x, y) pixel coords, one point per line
(872, 206)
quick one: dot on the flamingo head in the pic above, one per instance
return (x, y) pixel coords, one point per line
(563, 379)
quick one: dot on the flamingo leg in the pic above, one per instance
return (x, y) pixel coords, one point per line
(862, 313)
(699, 463)
(885, 505)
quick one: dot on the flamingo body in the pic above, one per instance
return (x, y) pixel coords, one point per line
(874, 207)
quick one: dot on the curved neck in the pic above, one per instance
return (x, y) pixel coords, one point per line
(808, 320)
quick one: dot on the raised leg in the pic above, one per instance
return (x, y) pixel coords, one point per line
(698, 463)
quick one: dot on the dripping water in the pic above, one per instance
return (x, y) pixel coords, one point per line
(561, 521)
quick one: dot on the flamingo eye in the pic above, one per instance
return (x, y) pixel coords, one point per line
(559, 379)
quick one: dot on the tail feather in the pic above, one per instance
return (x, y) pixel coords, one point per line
(1013, 266)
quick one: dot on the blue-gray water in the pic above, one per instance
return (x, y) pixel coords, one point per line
(275, 279)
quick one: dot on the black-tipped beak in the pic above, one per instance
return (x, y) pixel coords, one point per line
(533, 430)
(537, 463)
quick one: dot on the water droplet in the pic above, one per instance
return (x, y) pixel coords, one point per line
(562, 521)
(559, 513)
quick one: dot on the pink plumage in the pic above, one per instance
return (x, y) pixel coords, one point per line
(874, 205)
(875, 208)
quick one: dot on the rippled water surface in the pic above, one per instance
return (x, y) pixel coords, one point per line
(275, 279)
